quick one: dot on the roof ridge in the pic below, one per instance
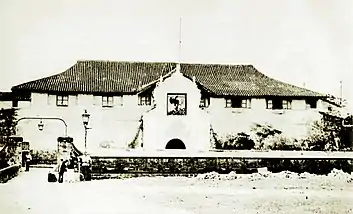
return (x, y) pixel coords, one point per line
(124, 61)
(182, 63)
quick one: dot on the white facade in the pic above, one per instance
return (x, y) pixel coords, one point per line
(293, 122)
(193, 128)
(5, 104)
(116, 126)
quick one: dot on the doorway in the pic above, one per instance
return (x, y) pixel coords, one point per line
(175, 144)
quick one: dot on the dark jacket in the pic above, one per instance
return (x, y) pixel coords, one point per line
(62, 168)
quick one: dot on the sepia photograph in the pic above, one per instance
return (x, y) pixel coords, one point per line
(165, 106)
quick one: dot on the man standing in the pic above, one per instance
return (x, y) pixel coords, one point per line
(28, 160)
(62, 170)
(86, 166)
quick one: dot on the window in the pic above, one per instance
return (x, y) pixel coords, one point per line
(107, 101)
(144, 100)
(238, 103)
(286, 104)
(269, 104)
(15, 103)
(311, 103)
(62, 100)
(204, 102)
(244, 104)
(278, 104)
(229, 103)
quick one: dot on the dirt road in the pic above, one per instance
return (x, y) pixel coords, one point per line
(30, 193)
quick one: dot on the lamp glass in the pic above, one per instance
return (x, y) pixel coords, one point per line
(85, 118)
(40, 126)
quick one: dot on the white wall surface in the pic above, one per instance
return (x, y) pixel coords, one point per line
(5, 104)
(118, 125)
(192, 129)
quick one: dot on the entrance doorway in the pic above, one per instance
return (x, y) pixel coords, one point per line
(175, 144)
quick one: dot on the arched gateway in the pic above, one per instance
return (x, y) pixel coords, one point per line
(175, 144)
(176, 119)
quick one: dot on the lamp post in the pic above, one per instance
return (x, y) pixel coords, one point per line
(85, 120)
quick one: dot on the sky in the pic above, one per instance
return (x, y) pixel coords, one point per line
(303, 42)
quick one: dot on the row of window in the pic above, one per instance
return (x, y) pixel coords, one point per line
(270, 103)
(107, 101)
(145, 100)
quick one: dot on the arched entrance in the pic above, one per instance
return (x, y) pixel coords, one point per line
(175, 144)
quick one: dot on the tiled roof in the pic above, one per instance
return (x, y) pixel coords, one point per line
(128, 77)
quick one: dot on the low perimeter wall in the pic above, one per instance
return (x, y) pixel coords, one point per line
(9, 172)
(222, 163)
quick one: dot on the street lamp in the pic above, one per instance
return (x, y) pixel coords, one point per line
(40, 125)
(85, 120)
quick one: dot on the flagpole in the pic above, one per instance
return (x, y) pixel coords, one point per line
(341, 93)
(179, 57)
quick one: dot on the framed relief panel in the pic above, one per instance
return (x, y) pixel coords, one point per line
(176, 104)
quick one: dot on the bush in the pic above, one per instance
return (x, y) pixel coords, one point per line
(319, 139)
(44, 157)
(328, 134)
(280, 142)
(236, 141)
(323, 137)
(261, 132)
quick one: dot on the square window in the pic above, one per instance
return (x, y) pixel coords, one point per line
(107, 101)
(204, 102)
(278, 104)
(62, 100)
(15, 103)
(245, 103)
(311, 103)
(229, 103)
(237, 103)
(144, 100)
(286, 104)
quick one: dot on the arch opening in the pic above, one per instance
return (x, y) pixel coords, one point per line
(175, 144)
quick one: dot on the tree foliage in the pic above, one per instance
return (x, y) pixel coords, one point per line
(7, 128)
(281, 142)
(237, 141)
(328, 134)
(262, 132)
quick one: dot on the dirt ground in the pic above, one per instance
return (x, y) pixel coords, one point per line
(279, 193)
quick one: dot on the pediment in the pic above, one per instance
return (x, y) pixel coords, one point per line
(179, 89)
